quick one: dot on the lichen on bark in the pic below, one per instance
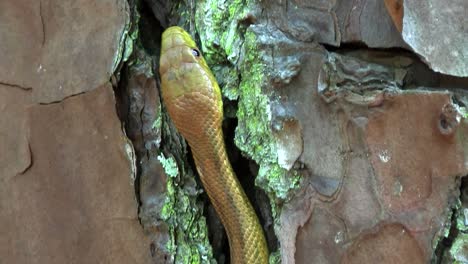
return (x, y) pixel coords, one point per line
(231, 49)
(226, 40)
(182, 212)
(253, 134)
(217, 23)
(170, 209)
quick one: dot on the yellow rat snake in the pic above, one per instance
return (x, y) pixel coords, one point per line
(193, 101)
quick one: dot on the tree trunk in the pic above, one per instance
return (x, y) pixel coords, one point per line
(344, 122)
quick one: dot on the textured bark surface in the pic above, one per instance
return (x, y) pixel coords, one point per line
(66, 171)
(376, 136)
(350, 124)
(438, 32)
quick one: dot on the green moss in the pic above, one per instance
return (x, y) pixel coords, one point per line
(253, 134)
(275, 258)
(223, 39)
(217, 23)
(188, 241)
(277, 180)
(158, 121)
(169, 165)
(129, 41)
(459, 249)
(460, 217)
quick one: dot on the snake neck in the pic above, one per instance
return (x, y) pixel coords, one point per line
(230, 201)
(200, 124)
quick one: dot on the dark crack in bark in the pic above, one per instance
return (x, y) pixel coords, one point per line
(13, 85)
(65, 98)
(31, 161)
(42, 24)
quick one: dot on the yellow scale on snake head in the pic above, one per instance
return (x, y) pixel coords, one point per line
(193, 101)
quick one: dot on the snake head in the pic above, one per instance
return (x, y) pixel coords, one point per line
(189, 88)
(178, 47)
(183, 69)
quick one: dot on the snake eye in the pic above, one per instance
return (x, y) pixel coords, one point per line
(196, 52)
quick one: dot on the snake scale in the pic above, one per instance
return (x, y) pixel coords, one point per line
(193, 101)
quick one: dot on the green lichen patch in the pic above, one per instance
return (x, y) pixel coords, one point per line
(277, 180)
(459, 249)
(169, 165)
(253, 134)
(275, 258)
(158, 121)
(188, 231)
(231, 49)
(221, 36)
(181, 210)
(223, 39)
(217, 23)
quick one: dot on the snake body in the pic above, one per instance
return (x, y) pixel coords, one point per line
(193, 101)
